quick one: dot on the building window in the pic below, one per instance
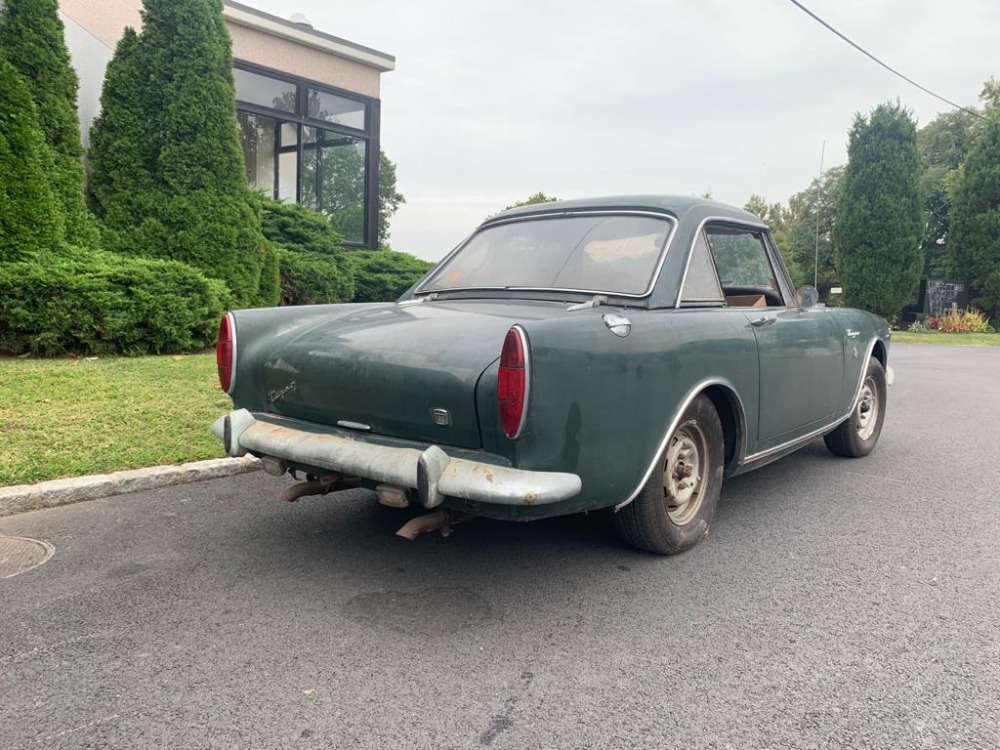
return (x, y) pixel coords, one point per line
(312, 145)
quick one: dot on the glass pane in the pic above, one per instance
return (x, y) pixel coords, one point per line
(257, 139)
(702, 283)
(289, 134)
(264, 91)
(614, 254)
(333, 179)
(741, 258)
(288, 175)
(336, 109)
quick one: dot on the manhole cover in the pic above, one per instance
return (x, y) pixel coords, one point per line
(18, 554)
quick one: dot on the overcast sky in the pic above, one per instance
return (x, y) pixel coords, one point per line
(493, 100)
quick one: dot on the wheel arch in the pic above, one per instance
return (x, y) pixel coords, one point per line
(732, 415)
(880, 353)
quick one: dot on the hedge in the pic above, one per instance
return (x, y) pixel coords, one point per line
(383, 275)
(101, 303)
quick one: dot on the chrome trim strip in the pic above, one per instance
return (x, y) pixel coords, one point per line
(819, 431)
(670, 218)
(701, 228)
(527, 380)
(692, 394)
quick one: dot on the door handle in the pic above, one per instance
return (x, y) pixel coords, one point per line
(762, 322)
(852, 334)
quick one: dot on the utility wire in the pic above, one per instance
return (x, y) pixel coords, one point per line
(868, 54)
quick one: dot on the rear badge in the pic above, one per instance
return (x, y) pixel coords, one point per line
(441, 417)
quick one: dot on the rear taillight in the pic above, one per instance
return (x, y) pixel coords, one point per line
(225, 352)
(512, 382)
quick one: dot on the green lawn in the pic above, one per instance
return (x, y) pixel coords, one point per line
(950, 339)
(61, 418)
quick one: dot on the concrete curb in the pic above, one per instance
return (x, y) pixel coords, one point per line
(49, 494)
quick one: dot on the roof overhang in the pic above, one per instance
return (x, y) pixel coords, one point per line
(306, 36)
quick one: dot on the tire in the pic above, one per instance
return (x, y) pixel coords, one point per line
(670, 516)
(857, 435)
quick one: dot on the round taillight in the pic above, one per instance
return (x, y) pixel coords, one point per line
(512, 382)
(225, 352)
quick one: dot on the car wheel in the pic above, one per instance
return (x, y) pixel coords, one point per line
(857, 435)
(673, 510)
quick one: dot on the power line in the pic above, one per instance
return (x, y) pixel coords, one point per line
(869, 55)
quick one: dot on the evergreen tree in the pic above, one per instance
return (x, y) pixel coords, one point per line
(974, 240)
(170, 130)
(809, 211)
(123, 188)
(30, 221)
(32, 39)
(879, 223)
(944, 143)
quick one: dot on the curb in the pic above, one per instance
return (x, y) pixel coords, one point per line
(56, 492)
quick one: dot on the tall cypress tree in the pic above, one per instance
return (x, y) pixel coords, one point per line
(880, 221)
(30, 222)
(168, 168)
(974, 239)
(123, 188)
(32, 39)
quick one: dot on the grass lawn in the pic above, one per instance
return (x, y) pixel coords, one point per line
(950, 339)
(72, 417)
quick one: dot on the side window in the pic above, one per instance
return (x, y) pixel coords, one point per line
(701, 285)
(745, 270)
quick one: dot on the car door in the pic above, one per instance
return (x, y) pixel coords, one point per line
(800, 350)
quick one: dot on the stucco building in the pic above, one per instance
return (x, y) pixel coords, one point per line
(308, 104)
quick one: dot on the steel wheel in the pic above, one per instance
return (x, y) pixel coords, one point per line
(675, 505)
(867, 409)
(683, 473)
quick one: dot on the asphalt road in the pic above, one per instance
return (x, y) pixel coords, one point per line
(836, 604)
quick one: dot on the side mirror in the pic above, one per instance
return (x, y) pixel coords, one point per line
(806, 296)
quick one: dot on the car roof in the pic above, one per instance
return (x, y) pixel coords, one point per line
(679, 206)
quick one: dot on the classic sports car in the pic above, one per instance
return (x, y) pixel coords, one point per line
(625, 353)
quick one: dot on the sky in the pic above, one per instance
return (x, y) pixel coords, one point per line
(493, 101)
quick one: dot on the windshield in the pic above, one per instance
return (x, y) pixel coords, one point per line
(594, 253)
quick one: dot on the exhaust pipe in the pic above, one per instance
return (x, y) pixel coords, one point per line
(440, 520)
(320, 486)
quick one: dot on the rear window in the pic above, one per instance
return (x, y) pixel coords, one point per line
(613, 254)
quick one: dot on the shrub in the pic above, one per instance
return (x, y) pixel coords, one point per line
(920, 326)
(313, 278)
(298, 227)
(102, 303)
(961, 321)
(383, 275)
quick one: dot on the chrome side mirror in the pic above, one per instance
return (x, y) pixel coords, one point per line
(806, 296)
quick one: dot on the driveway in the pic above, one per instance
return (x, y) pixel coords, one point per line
(836, 603)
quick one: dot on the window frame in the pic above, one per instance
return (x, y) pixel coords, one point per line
(370, 134)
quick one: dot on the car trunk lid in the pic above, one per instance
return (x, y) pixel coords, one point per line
(406, 371)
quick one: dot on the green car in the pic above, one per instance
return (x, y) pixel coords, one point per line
(627, 353)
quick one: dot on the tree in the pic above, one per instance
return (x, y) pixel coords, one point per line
(173, 100)
(775, 216)
(531, 200)
(32, 39)
(123, 187)
(879, 223)
(974, 239)
(808, 229)
(30, 222)
(944, 143)
(389, 199)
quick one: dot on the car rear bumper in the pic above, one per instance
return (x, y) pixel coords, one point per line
(430, 471)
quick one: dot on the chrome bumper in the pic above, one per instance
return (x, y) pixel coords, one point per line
(431, 472)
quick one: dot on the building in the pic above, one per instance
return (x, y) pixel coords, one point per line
(308, 104)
